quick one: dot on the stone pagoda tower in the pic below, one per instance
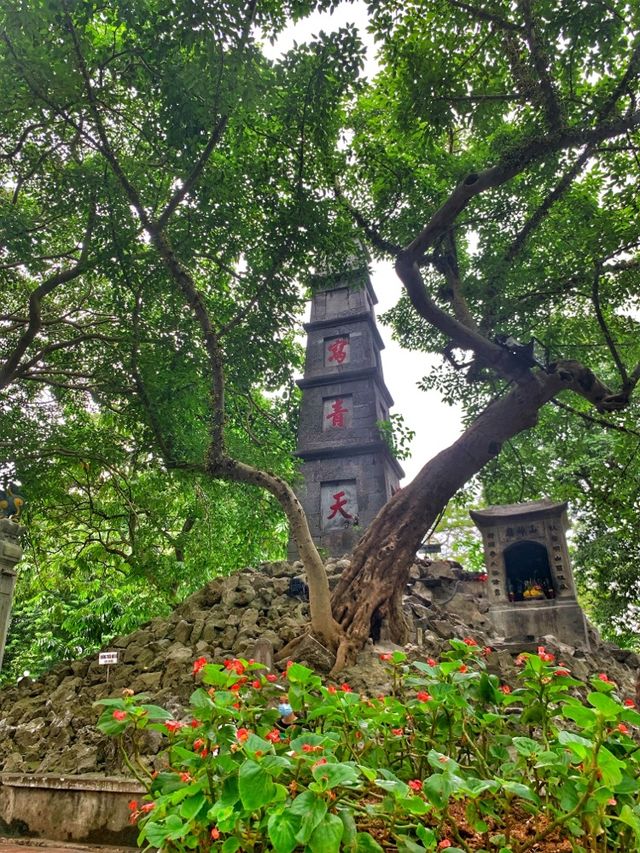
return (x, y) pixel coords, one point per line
(348, 471)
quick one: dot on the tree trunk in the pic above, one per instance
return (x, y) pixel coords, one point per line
(380, 566)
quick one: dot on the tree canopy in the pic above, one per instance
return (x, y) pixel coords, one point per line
(167, 193)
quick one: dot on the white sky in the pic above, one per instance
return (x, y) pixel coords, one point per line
(436, 424)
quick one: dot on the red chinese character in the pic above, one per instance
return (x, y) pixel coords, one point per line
(337, 507)
(338, 350)
(336, 416)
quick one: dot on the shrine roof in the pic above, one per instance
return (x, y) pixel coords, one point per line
(510, 511)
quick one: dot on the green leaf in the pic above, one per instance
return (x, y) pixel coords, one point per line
(608, 707)
(427, 836)
(435, 790)
(327, 835)
(201, 701)
(350, 830)
(332, 775)
(526, 746)
(191, 807)
(231, 845)
(519, 790)
(407, 845)
(155, 712)
(282, 828)
(365, 843)
(297, 673)
(628, 816)
(610, 767)
(311, 809)
(584, 717)
(255, 785)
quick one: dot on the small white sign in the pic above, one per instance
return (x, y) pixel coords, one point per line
(108, 658)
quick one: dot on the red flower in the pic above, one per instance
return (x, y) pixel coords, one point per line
(308, 747)
(133, 805)
(119, 715)
(415, 784)
(172, 726)
(622, 728)
(234, 665)
(273, 736)
(257, 684)
(432, 662)
(629, 703)
(397, 731)
(444, 844)
(385, 656)
(198, 744)
(215, 834)
(272, 677)
(486, 651)
(470, 641)
(463, 668)
(612, 802)
(147, 807)
(242, 735)
(319, 763)
(345, 688)
(332, 689)
(186, 778)
(423, 696)
(504, 688)
(604, 677)
(443, 759)
(235, 687)
(195, 724)
(562, 672)
(544, 655)
(289, 663)
(521, 660)
(198, 664)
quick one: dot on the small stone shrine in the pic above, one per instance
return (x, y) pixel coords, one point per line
(349, 472)
(531, 589)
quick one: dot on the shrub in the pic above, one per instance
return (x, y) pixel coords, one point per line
(451, 759)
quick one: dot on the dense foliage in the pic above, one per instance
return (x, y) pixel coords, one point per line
(452, 759)
(104, 383)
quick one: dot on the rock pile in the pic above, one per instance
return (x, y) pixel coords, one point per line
(48, 725)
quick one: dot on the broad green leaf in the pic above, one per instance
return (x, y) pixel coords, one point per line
(332, 775)
(255, 785)
(282, 827)
(310, 809)
(608, 707)
(327, 835)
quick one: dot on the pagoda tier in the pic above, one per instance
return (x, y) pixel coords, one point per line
(347, 469)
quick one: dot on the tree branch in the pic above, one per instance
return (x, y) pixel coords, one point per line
(11, 366)
(190, 181)
(484, 15)
(541, 211)
(592, 420)
(549, 98)
(374, 236)
(511, 164)
(595, 298)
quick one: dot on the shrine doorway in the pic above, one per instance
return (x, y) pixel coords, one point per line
(528, 572)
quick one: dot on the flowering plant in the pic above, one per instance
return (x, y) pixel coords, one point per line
(452, 759)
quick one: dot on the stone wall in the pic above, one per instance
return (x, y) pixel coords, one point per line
(49, 725)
